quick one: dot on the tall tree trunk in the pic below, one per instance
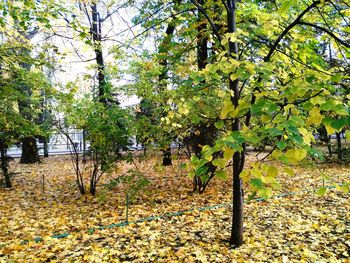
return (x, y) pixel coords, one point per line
(4, 164)
(96, 31)
(236, 238)
(29, 146)
(30, 152)
(203, 134)
(163, 51)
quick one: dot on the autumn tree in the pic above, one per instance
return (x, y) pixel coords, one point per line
(105, 124)
(276, 87)
(20, 85)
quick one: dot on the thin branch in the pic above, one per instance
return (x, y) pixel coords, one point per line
(288, 28)
(326, 31)
(302, 63)
(340, 13)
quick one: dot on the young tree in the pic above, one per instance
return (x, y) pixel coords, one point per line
(279, 102)
(108, 133)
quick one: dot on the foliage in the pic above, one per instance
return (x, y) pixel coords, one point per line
(108, 133)
(134, 182)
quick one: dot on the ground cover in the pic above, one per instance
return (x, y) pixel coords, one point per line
(300, 227)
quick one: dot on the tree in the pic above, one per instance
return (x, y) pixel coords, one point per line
(289, 131)
(21, 78)
(108, 133)
(268, 98)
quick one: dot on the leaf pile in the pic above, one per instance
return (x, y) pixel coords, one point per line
(301, 227)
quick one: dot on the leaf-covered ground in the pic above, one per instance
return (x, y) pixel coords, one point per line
(300, 227)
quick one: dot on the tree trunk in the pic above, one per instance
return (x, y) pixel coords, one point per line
(30, 153)
(339, 148)
(199, 139)
(236, 238)
(46, 147)
(4, 164)
(167, 157)
(329, 146)
(96, 32)
(163, 51)
(29, 146)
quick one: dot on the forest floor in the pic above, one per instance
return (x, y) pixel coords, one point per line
(295, 228)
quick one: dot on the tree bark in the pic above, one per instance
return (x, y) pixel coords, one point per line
(236, 238)
(200, 139)
(46, 147)
(339, 148)
(167, 157)
(4, 164)
(30, 153)
(163, 51)
(96, 31)
(29, 146)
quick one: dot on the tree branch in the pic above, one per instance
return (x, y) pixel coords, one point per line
(326, 31)
(288, 28)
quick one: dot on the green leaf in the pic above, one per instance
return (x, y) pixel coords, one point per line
(341, 110)
(327, 106)
(322, 191)
(251, 197)
(265, 192)
(316, 153)
(281, 145)
(285, 7)
(219, 124)
(297, 139)
(183, 166)
(340, 123)
(336, 77)
(274, 132)
(222, 175)
(219, 163)
(256, 183)
(202, 170)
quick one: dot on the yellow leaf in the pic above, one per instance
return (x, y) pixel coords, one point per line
(222, 94)
(228, 153)
(315, 117)
(209, 158)
(347, 135)
(330, 129)
(256, 173)
(245, 175)
(265, 118)
(219, 163)
(271, 171)
(171, 114)
(307, 136)
(296, 155)
(288, 171)
(228, 107)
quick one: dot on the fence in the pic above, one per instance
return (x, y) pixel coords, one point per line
(57, 144)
